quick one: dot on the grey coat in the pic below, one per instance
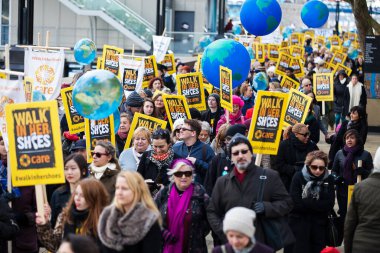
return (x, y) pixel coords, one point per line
(229, 192)
(362, 226)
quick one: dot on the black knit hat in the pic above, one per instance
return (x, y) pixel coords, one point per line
(148, 92)
(239, 139)
(237, 128)
(134, 100)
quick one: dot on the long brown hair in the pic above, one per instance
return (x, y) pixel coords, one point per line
(96, 197)
(149, 100)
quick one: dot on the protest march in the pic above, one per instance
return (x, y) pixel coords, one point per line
(149, 153)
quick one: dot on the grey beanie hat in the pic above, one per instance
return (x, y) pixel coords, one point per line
(134, 100)
(240, 219)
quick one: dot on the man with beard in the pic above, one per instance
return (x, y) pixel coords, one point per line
(241, 188)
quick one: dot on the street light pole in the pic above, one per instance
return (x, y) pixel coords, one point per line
(337, 10)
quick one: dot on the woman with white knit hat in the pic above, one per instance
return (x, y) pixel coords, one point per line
(240, 231)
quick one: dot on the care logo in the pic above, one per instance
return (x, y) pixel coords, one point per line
(24, 160)
(45, 74)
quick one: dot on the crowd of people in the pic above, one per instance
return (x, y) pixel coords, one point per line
(173, 187)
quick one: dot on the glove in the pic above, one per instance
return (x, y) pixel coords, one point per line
(168, 237)
(359, 172)
(259, 207)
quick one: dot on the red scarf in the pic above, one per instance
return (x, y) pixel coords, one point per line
(239, 176)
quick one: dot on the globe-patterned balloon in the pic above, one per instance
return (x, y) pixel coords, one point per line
(250, 52)
(226, 53)
(236, 29)
(38, 96)
(314, 14)
(260, 17)
(353, 53)
(347, 43)
(260, 81)
(97, 94)
(85, 51)
(204, 41)
(116, 120)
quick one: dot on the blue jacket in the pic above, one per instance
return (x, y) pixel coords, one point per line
(202, 152)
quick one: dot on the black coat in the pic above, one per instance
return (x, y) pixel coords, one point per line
(229, 192)
(339, 90)
(291, 158)
(258, 248)
(346, 100)
(314, 128)
(147, 245)
(8, 226)
(220, 164)
(206, 116)
(308, 219)
(58, 201)
(120, 143)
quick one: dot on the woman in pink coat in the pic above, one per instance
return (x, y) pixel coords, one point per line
(236, 116)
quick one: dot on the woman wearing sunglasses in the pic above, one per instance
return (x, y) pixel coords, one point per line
(155, 163)
(183, 208)
(104, 166)
(292, 153)
(349, 163)
(312, 191)
(80, 216)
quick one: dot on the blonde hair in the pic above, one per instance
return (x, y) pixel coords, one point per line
(297, 127)
(141, 193)
(144, 132)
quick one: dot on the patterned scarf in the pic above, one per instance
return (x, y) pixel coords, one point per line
(348, 173)
(313, 185)
(162, 160)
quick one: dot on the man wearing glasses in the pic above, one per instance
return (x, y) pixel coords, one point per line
(194, 150)
(241, 188)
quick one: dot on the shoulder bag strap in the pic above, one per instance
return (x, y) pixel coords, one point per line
(263, 177)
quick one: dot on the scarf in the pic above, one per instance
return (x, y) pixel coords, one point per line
(118, 229)
(237, 119)
(342, 81)
(99, 171)
(313, 185)
(348, 174)
(137, 156)
(354, 125)
(177, 208)
(78, 218)
(162, 160)
(122, 135)
(245, 250)
(297, 143)
(355, 94)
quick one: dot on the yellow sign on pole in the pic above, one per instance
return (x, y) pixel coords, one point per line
(297, 108)
(225, 75)
(267, 121)
(110, 58)
(191, 86)
(176, 108)
(74, 120)
(323, 86)
(35, 148)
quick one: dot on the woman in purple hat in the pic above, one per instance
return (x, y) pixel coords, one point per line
(183, 208)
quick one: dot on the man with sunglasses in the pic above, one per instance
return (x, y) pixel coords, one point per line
(194, 150)
(241, 187)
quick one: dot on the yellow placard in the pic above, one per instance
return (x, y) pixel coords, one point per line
(198, 64)
(283, 63)
(28, 88)
(297, 108)
(208, 86)
(352, 36)
(297, 51)
(74, 120)
(284, 44)
(289, 83)
(99, 63)
(259, 52)
(285, 50)
(191, 86)
(35, 146)
(169, 62)
(257, 39)
(98, 130)
(150, 70)
(349, 194)
(297, 66)
(320, 41)
(110, 58)
(335, 41)
(273, 52)
(142, 120)
(176, 108)
(323, 86)
(338, 57)
(225, 75)
(266, 126)
(339, 67)
(296, 39)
